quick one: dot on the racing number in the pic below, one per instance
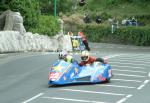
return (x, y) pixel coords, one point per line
(54, 75)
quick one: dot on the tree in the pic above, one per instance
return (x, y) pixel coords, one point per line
(4, 5)
(45, 6)
(74, 5)
(29, 9)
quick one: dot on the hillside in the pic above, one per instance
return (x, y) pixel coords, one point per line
(120, 9)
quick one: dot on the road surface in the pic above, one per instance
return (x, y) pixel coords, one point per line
(24, 77)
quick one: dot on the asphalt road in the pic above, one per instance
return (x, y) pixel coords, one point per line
(24, 77)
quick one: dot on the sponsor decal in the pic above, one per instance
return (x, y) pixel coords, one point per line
(72, 74)
(54, 75)
(66, 71)
(57, 68)
(101, 78)
(110, 73)
(101, 68)
(76, 70)
(65, 78)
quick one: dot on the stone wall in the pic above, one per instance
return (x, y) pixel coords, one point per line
(13, 41)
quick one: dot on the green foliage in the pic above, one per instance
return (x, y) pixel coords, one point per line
(129, 1)
(29, 9)
(111, 2)
(47, 6)
(105, 16)
(47, 25)
(143, 19)
(3, 6)
(64, 5)
(125, 35)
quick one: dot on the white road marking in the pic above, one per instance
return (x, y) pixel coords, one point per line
(111, 56)
(135, 61)
(126, 80)
(129, 63)
(73, 100)
(2, 54)
(29, 100)
(143, 84)
(128, 66)
(137, 56)
(140, 76)
(149, 74)
(83, 91)
(47, 53)
(129, 71)
(124, 99)
(116, 86)
(140, 54)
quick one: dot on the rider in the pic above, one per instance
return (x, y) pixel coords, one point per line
(65, 56)
(84, 40)
(87, 59)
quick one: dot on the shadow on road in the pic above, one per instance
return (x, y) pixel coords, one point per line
(77, 84)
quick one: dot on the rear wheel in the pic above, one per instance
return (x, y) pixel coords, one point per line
(107, 80)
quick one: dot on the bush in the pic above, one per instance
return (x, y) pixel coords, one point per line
(47, 25)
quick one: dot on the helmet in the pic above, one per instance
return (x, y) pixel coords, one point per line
(85, 55)
(63, 54)
(105, 60)
(80, 33)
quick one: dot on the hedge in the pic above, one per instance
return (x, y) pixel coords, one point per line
(47, 25)
(139, 36)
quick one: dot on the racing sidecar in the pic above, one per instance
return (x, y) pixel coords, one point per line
(63, 72)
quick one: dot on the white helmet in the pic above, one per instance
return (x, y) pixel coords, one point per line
(63, 54)
(85, 55)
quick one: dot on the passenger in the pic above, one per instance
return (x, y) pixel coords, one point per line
(64, 55)
(70, 33)
(87, 59)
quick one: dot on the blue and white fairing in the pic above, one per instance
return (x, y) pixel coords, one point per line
(65, 73)
(95, 73)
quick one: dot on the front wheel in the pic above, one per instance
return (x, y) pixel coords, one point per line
(50, 85)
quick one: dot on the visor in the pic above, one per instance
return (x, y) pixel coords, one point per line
(84, 58)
